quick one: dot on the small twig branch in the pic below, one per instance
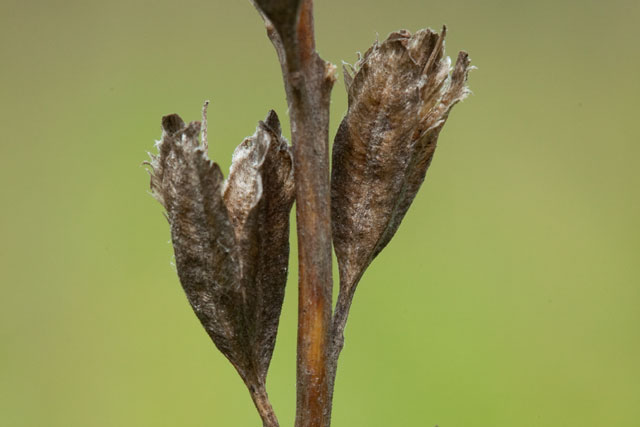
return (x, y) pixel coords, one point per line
(308, 82)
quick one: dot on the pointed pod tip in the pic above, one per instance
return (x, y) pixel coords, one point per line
(463, 58)
(273, 122)
(462, 67)
(172, 123)
(347, 74)
(193, 129)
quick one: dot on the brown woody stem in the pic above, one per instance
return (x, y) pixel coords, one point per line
(308, 82)
(310, 88)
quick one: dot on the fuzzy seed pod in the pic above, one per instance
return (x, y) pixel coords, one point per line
(399, 99)
(230, 238)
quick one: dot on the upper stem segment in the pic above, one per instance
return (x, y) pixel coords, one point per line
(308, 82)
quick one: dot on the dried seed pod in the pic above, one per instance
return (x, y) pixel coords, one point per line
(399, 99)
(231, 239)
(258, 195)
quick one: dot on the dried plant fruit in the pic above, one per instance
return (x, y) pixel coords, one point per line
(399, 99)
(258, 195)
(231, 239)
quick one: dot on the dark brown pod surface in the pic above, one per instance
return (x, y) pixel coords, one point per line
(231, 239)
(400, 95)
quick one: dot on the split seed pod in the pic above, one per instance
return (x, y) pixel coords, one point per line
(399, 99)
(231, 239)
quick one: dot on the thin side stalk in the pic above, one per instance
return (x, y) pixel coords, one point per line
(261, 400)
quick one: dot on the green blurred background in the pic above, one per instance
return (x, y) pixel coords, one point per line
(510, 296)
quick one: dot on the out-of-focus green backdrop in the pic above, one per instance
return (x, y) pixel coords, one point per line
(510, 296)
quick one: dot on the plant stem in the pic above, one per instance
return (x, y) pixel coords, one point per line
(309, 107)
(339, 321)
(259, 396)
(308, 81)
